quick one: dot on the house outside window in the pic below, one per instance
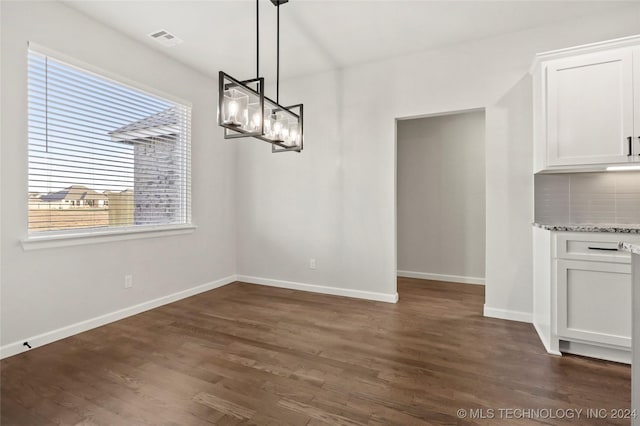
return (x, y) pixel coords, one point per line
(103, 154)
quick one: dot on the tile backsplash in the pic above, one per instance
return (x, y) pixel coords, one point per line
(576, 198)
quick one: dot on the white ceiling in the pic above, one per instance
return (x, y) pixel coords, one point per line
(319, 35)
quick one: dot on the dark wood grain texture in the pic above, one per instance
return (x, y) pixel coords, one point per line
(253, 355)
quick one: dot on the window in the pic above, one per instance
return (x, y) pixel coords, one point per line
(103, 154)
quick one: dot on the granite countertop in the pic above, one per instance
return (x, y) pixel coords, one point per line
(630, 247)
(597, 227)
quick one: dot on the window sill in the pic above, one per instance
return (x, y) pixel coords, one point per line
(36, 242)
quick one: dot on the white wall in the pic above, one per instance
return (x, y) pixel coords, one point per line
(635, 337)
(441, 197)
(290, 206)
(509, 180)
(46, 289)
(335, 201)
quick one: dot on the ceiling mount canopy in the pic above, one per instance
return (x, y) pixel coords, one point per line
(245, 111)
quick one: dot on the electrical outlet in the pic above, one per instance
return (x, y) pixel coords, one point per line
(128, 281)
(312, 264)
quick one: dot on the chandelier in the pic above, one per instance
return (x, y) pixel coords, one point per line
(245, 111)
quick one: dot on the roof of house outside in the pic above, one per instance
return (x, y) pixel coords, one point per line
(162, 123)
(123, 192)
(73, 193)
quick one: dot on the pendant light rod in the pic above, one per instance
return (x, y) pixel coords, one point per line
(244, 110)
(278, 56)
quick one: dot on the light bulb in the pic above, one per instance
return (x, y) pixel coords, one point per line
(277, 129)
(233, 111)
(273, 128)
(256, 120)
(294, 137)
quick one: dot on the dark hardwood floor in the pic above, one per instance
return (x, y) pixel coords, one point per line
(246, 354)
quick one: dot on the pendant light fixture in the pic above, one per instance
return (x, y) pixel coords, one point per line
(245, 111)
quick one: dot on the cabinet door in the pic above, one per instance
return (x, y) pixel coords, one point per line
(594, 302)
(590, 108)
(636, 101)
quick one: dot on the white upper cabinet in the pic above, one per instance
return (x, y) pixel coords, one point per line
(636, 99)
(587, 107)
(590, 108)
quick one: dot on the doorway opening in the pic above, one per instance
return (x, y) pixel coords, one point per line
(440, 197)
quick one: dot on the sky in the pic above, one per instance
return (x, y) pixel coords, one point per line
(71, 113)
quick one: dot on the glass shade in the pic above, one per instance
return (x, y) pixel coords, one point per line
(245, 112)
(234, 107)
(240, 106)
(283, 126)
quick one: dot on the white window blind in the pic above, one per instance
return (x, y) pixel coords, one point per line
(103, 154)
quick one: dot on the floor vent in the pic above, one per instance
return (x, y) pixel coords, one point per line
(165, 38)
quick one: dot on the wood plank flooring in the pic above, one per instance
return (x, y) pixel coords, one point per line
(247, 354)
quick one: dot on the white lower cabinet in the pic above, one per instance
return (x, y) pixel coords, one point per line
(582, 293)
(594, 302)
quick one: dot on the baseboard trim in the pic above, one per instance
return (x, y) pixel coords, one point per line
(544, 340)
(70, 330)
(622, 355)
(313, 288)
(73, 329)
(507, 314)
(440, 277)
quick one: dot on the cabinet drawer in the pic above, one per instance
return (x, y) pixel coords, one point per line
(594, 302)
(594, 247)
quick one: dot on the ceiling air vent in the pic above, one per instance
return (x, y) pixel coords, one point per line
(165, 38)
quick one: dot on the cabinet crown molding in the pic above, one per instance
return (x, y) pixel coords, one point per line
(584, 48)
